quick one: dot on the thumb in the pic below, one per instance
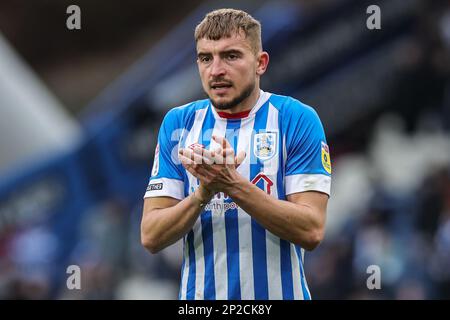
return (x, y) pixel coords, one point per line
(240, 158)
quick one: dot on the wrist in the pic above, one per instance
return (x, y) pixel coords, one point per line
(236, 187)
(196, 200)
(203, 195)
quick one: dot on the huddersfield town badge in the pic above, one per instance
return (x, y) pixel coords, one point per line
(265, 145)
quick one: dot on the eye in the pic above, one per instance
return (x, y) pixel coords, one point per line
(204, 59)
(232, 56)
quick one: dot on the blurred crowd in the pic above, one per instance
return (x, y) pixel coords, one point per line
(401, 225)
(401, 181)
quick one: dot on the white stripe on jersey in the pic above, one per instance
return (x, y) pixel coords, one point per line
(244, 219)
(271, 165)
(272, 241)
(298, 293)
(199, 261)
(193, 137)
(218, 228)
(184, 277)
(273, 266)
(302, 251)
(284, 163)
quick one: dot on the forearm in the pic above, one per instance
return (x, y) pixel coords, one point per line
(163, 227)
(297, 223)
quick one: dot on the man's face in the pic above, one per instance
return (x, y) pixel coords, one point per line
(228, 69)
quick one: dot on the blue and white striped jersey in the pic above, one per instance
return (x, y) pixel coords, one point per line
(227, 254)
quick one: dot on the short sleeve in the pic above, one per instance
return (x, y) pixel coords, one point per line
(167, 172)
(308, 164)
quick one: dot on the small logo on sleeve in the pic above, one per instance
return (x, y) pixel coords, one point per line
(155, 186)
(326, 162)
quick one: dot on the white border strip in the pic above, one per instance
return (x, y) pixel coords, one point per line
(308, 182)
(170, 188)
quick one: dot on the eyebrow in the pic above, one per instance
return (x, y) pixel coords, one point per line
(235, 51)
(202, 54)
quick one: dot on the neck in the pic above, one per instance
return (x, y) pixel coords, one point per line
(245, 105)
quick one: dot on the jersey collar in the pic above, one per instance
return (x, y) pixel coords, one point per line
(263, 97)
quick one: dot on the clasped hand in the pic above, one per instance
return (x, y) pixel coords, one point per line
(216, 169)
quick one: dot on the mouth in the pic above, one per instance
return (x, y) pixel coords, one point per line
(220, 86)
(220, 89)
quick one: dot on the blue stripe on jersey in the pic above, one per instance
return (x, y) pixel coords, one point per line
(232, 227)
(280, 170)
(306, 295)
(285, 247)
(259, 233)
(186, 184)
(190, 290)
(182, 269)
(209, 292)
(286, 270)
(183, 145)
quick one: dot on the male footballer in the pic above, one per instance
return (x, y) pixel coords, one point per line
(243, 177)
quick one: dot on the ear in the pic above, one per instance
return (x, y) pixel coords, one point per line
(263, 62)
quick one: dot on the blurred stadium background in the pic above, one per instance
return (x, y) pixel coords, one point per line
(80, 111)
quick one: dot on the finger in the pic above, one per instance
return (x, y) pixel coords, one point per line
(197, 174)
(240, 158)
(196, 170)
(186, 162)
(195, 155)
(187, 153)
(208, 160)
(222, 142)
(198, 150)
(227, 151)
(205, 156)
(229, 156)
(208, 154)
(218, 156)
(185, 159)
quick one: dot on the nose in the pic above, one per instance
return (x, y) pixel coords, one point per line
(217, 68)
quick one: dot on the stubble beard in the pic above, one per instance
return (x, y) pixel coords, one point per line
(246, 92)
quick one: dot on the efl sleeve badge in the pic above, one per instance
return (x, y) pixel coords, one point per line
(326, 162)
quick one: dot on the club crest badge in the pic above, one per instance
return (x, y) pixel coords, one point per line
(265, 145)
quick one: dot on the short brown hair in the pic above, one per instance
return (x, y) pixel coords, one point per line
(223, 22)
